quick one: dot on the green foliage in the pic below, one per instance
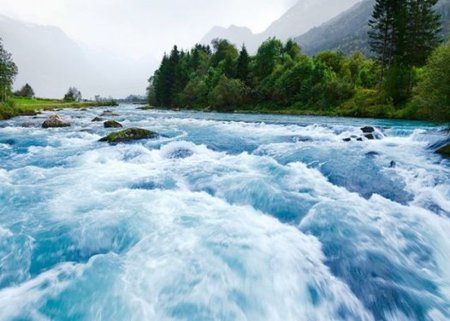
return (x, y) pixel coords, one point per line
(25, 91)
(8, 72)
(72, 95)
(279, 78)
(402, 36)
(17, 106)
(432, 95)
(243, 66)
(228, 94)
(398, 83)
(268, 56)
(367, 103)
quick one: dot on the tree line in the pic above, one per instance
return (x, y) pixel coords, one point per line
(280, 78)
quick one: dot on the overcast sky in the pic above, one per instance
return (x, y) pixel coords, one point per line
(141, 27)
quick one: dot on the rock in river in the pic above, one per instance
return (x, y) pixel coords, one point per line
(55, 121)
(112, 124)
(108, 113)
(128, 135)
(445, 151)
(97, 119)
(368, 130)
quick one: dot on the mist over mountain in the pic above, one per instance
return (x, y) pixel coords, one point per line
(51, 62)
(300, 18)
(348, 31)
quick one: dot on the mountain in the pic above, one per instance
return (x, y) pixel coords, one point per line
(51, 62)
(235, 34)
(304, 15)
(348, 31)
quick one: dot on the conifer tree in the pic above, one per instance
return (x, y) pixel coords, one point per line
(243, 65)
(381, 33)
(423, 30)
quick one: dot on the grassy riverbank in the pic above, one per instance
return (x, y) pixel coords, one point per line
(17, 106)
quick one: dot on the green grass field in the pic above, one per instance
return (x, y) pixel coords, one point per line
(17, 106)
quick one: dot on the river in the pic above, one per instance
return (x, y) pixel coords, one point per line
(223, 217)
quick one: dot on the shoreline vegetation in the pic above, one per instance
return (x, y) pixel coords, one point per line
(23, 106)
(328, 84)
(407, 75)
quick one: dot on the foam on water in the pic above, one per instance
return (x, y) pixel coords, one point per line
(224, 218)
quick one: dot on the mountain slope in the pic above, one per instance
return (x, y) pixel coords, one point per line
(51, 62)
(46, 57)
(304, 15)
(348, 31)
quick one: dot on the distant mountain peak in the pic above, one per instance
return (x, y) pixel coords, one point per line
(300, 18)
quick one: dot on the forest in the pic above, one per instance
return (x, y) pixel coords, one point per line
(406, 76)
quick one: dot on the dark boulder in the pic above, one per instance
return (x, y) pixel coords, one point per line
(368, 130)
(55, 121)
(445, 151)
(112, 124)
(97, 119)
(128, 135)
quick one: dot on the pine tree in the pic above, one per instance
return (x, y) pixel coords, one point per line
(25, 91)
(243, 66)
(381, 34)
(423, 31)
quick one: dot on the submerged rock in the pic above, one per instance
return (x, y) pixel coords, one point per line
(97, 119)
(445, 151)
(55, 121)
(112, 124)
(29, 125)
(108, 113)
(128, 135)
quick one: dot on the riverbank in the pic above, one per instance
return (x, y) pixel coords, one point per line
(18, 106)
(372, 112)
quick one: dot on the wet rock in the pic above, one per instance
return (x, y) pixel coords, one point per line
(128, 135)
(112, 124)
(368, 130)
(372, 154)
(108, 113)
(445, 151)
(55, 121)
(369, 136)
(393, 164)
(347, 139)
(29, 125)
(89, 131)
(97, 119)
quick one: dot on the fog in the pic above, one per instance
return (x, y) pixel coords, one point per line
(111, 47)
